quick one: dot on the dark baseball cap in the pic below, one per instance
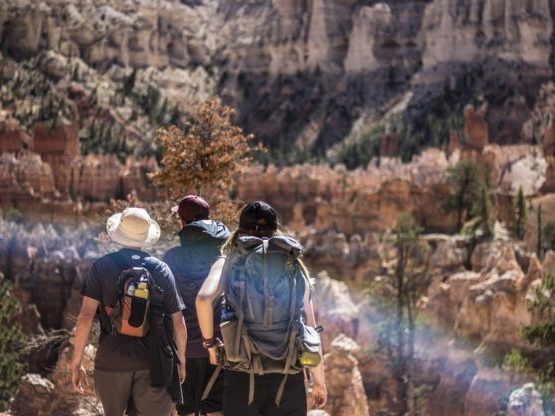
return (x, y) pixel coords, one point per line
(192, 208)
(258, 216)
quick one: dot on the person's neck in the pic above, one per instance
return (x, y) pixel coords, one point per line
(131, 248)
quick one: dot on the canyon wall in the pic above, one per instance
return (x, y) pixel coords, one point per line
(307, 73)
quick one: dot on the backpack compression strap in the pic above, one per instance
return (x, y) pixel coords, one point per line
(268, 303)
(293, 308)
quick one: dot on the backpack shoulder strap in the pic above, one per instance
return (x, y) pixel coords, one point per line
(120, 261)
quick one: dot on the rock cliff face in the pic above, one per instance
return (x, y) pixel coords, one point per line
(463, 32)
(300, 72)
(25, 178)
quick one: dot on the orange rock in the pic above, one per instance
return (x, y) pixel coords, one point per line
(549, 184)
(549, 140)
(475, 128)
(96, 177)
(25, 178)
(454, 143)
(13, 138)
(57, 145)
(389, 145)
(134, 178)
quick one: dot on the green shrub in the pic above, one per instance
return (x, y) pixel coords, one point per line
(11, 340)
(14, 215)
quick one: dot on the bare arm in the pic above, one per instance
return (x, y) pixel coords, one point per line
(319, 392)
(180, 337)
(82, 332)
(212, 287)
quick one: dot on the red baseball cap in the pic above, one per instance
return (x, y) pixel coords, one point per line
(192, 208)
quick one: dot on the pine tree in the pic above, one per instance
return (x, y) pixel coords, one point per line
(543, 333)
(482, 213)
(405, 285)
(129, 82)
(175, 118)
(521, 214)
(539, 241)
(467, 180)
(162, 112)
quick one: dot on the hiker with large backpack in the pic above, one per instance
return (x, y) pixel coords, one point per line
(201, 239)
(136, 299)
(267, 320)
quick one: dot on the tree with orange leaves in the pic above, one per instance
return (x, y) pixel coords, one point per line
(204, 158)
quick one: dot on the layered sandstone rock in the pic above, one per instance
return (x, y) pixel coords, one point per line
(346, 394)
(25, 178)
(286, 57)
(525, 401)
(488, 302)
(549, 184)
(334, 309)
(39, 396)
(134, 178)
(548, 144)
(486, 388)
(461, 33)
(475, 128)
(355, 258)
(449, 372)
(13, 138)
(66, 400)
(355, 202)
(45, 265)
(521, 167)
(34, 397)
(96, 177)
(370, 24)
(57, 145)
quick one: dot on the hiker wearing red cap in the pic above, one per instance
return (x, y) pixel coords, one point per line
(200, 242)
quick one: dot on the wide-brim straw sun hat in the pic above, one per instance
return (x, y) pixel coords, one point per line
(133, 228)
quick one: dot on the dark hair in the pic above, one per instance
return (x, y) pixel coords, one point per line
(259, 219)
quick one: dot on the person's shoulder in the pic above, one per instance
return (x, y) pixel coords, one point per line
(104, 260)
(102, 265)
(214, 228)
(171, 254)
(157, 266)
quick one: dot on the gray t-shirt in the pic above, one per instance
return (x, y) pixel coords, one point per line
(118, 352)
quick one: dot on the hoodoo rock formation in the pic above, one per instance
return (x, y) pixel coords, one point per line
(525, 401)
(346, 392)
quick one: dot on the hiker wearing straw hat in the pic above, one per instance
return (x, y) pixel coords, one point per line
(122, 371)
(200, 241)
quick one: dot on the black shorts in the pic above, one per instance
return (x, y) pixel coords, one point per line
(236, 395)
(199, 371)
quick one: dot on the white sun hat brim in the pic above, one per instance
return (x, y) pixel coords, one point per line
(118, 236)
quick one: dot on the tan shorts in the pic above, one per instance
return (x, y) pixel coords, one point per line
(119, 391)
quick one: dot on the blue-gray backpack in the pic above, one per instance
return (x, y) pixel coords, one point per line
(262, 325)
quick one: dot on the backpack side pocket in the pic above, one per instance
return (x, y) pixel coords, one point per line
(310, 346)
(235, 351)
